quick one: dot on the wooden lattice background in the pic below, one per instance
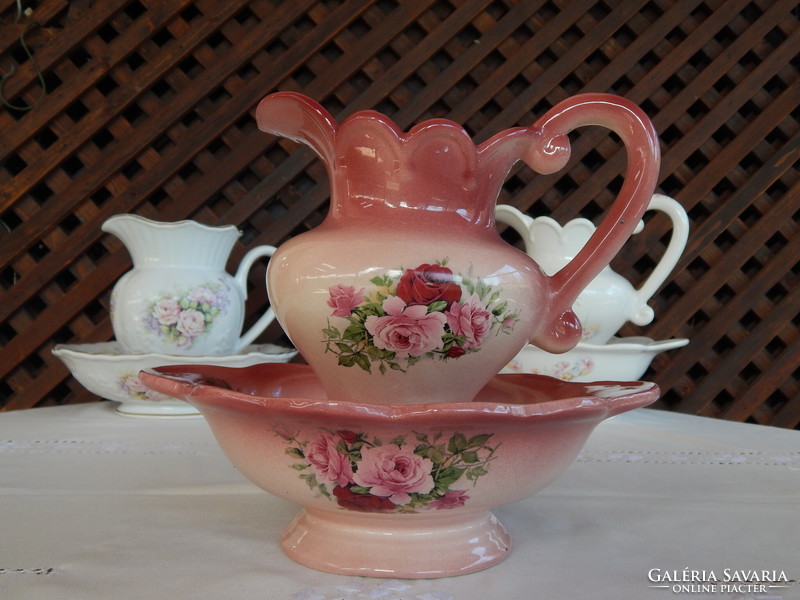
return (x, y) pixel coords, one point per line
(146, 106)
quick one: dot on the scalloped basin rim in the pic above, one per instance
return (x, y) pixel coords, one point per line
(293, 389)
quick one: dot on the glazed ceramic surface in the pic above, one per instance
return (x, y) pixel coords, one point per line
(406, 293)
(106, 370)
(609, 300)
(396, 491)
(178, 299)
(619, 359)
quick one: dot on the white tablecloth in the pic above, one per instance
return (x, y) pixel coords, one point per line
(94, 505)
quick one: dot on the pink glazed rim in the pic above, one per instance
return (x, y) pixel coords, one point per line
(294, 389)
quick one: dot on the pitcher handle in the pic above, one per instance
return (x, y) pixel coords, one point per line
(264, 321)
(518, 221)
(562, 331)
(679, 235)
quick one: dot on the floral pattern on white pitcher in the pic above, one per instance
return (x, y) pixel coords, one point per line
(182, 317)
(367, 474)
(422, 313)
(590, 330)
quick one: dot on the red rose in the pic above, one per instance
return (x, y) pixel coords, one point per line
(427, 284)
(361, 502)
(455, 352)
(348, 436)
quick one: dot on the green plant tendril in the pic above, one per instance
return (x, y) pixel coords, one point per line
(12, 70)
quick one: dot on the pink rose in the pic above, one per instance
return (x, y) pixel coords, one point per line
(191, 323)
(166, 311)
(394, 473)
(470, 320)
(328, 463)
(406, 330)
(508, 324)
(452, 499)
(156, 396)
(202, 295)
(132, 384)
(343, 299)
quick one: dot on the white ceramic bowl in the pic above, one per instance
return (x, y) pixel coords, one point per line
(105, 370)
(403, 490)
(619, 359)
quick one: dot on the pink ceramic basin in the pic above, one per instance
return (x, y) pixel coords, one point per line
(396, 491)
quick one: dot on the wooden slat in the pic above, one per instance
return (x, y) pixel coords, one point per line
(150, 112)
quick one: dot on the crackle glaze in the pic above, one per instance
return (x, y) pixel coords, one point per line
(406, 293)
(609, 300)
(395, 491)
(178, 299)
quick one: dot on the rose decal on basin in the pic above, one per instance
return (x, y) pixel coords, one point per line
(129, 383)
(364, 473)
(182, 317)
(564, 370)
(424, 313)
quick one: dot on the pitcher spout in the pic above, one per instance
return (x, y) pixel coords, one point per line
(189, 243)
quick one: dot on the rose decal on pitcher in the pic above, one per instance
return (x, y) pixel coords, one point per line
(182, 317)
(364, 474)
(425, 313)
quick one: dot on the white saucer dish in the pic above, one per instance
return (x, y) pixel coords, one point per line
(105, 370)
(619, 359)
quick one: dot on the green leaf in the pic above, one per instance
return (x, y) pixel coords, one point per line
(347, 360)
(399, 440)
(362, 360)
(373, 308)
(343, 347)
(448, 476)
(311, 480)
(457, 443)
(357, 489)
(331, 332)
(354, 332)
(475, 472)
(478, 441)
(436, 455)
(437, 306)
(469, 456)
(375, 353)
(299, 466)
(295, 452)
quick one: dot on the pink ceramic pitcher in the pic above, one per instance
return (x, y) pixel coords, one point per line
(406, 293)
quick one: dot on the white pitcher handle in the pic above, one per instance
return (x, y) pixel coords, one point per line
(517, 220)
(264, 321)
(643, 314)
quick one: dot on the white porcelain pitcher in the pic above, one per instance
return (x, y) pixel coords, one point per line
(178, 299)
(609, 300)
